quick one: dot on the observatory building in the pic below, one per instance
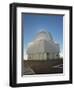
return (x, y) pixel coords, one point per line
(43, 47)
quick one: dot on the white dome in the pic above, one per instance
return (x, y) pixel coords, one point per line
(43, 43)
(44, 35)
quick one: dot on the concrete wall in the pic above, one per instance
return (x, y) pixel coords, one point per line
(43, 56)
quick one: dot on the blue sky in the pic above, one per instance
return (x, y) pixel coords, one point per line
(33, 23)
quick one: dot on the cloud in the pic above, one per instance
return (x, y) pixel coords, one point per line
(25, 54)
(61, 54)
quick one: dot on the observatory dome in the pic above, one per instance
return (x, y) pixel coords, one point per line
(43, 47)
(44, 35)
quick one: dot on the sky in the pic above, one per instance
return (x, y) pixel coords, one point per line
(33, 23)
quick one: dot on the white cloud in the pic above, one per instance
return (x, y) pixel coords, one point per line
(25, 54)
(61, 54)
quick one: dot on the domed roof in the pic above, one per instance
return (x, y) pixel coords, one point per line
(43, 43)
(44, 35)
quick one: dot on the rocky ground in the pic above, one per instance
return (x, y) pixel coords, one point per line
(32, 67)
